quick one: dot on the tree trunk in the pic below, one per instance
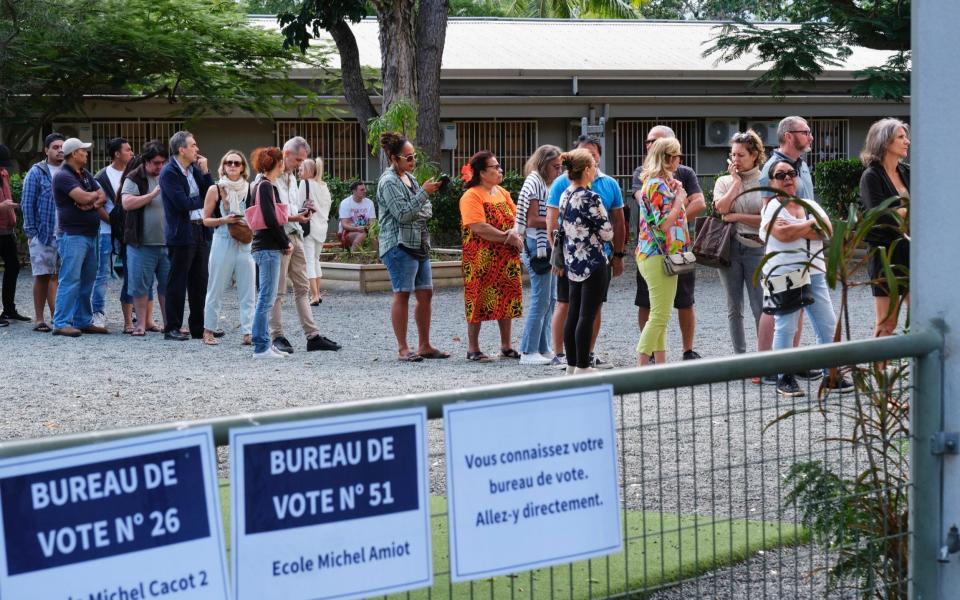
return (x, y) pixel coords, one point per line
(354, 89)
(398, 51)
(431, 32)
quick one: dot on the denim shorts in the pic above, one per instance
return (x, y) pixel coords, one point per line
(406, 272)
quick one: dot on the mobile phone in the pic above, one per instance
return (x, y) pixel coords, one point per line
(444, 180)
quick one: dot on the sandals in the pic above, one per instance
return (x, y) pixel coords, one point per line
(42, 327)
(509, 353)
(247, 340)
(136, 333)
(479, 357)
(410, 357)
(435, 354)
(210, 339)
(154, 329)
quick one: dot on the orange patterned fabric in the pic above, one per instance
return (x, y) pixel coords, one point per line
(492, 284)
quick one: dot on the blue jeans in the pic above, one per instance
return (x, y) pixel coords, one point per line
(406, 272)
(78, 272)
(543, 299)
(739, 275)
(103, 273)
(820, 314)
(268, 261)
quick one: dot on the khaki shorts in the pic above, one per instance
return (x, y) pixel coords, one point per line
(43, 259)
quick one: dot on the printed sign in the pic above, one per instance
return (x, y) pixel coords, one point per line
(136, 518)
(531, 481)
(331, 508)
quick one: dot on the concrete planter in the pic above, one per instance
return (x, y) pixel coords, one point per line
(374, 277)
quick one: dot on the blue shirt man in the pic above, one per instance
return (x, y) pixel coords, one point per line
(795, 140)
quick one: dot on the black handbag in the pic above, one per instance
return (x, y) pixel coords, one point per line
(306, 224)
(556, 255)
(712, 244)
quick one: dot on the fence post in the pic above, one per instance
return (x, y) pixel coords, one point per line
(935, 289)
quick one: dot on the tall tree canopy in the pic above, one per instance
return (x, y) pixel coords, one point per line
(199, 56)
(825, 32)
(412, 35)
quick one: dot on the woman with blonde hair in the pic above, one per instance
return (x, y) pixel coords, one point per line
(586, 226)
(541, 170)
(662, 231)
(737, 199)
(887, 176)
(223, 206)
(314, 194)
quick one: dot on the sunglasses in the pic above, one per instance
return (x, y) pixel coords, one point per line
(648, 142)
(781, 175)
(233, 163)
(408, 157)
(497, 167)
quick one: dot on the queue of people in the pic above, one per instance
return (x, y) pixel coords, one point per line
(186, 236)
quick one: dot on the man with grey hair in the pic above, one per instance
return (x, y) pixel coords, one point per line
(294, 265)
(795, 138)
(686, 283)
(183, 185)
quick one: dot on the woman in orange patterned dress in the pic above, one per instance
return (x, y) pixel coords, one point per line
(492, 287)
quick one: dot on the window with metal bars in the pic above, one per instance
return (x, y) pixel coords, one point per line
(138, 132)
(631, 151)
(831, 140)
(511, 141)
(340, 144)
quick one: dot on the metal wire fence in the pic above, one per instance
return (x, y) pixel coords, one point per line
(728, 489)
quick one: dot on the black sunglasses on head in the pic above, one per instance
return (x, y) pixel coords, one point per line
(781, 175)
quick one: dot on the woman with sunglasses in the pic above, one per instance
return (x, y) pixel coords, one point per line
(492, 284)
(737, 199)
(405, 244)
(662, 230)
(223, 205)
(794, 234)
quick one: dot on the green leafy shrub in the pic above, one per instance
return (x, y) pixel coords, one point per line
(837, 185)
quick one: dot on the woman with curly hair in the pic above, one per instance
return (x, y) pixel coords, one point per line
(492, 284)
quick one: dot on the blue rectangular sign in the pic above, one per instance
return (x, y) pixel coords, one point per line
(324, 479)
(81, 513)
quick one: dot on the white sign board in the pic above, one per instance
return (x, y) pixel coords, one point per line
(331, 508)
(531, 481)
(135, 518)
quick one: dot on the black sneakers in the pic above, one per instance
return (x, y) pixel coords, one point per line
(840, 385)
(691, 355)
(319, 342)
(13, 316)
(282, 344)
(787, 386)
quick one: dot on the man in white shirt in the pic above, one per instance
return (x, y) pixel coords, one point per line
(294, 265)
(120, 153)
(357, 215)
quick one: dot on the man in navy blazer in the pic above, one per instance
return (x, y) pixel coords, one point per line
(183, 186)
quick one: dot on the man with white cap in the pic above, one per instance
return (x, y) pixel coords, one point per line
(78, 196)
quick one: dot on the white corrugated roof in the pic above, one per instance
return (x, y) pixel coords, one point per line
(478, 47)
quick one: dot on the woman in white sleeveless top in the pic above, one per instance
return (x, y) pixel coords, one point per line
(313, 188)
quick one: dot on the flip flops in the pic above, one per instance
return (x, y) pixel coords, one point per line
(434, 354)
(410, 357)
(509, 353)
(42, 327)
(478, 357)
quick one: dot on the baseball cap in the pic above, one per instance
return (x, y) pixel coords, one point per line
(75, 144)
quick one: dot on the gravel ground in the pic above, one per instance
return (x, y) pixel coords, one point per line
(691, 451)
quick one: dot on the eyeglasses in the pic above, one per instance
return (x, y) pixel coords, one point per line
(497, 167)
(741, 137)
(801, 131)
(648, 142)
(233, 163)
(158, 162)
(781, 175)
(673, 156)
(408, 157)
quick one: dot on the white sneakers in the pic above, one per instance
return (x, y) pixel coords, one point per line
(270, 352)
(99, 319)
(534, 358)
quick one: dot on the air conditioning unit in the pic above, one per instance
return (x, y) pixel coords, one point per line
(718, 131)
(449, 139)
(84, 131)
(767, 130)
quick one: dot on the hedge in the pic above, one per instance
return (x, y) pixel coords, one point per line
(837, 185)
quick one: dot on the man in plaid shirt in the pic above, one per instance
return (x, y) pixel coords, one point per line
(40, 224)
